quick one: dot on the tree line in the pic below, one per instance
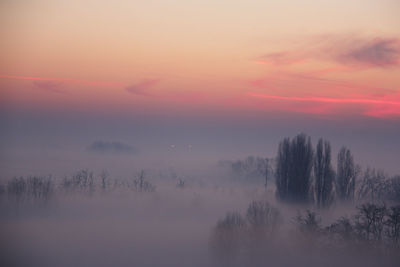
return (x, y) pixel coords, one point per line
(306, 175)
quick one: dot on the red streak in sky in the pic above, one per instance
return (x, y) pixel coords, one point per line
(95, 83)
(327, 99)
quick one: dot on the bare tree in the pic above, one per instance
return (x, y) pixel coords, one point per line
(369, 222)
(104, 176)
(283, 169)
(82, 180)
(393, 189)
(393, 224)
(373, 185)
(31, 188)
(141, 185)
(269, 172)
(324, 174)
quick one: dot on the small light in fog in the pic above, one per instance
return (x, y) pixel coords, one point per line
(172, 146)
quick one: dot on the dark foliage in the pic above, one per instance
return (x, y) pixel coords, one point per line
(324, 174)
(293, 169)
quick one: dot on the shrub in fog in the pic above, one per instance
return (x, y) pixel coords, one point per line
(233, 221)
(228, 237)
(237, 235)
(309, 223)
(262, 218)
(293, 169)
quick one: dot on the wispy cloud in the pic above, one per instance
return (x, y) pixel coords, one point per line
(384, 107)
(358, 52)
(142, 88)
(50, 86)
(64, 80)
(282, 58)
(318, 85)
(327, 99)
(377, 52)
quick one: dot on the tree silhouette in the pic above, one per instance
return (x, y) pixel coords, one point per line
(293, 169)
(346, 175)
(324, 174)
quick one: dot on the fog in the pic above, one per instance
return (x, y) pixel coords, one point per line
(45, 144)
(117, 223)
(178, 214)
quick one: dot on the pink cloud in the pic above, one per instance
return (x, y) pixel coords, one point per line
(282, 58)
(355, 52)
(66, 80)
(387, 106)
(142, 88)
(49, 86)
(378, 52)
(327, 99)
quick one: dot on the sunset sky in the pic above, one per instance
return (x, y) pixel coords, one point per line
(190, 60)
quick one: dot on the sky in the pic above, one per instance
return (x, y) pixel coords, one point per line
(225, 75)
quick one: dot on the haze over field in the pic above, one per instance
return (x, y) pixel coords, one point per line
(174, 96)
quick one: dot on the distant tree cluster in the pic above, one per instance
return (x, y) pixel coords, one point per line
(251, 168)
(80, 181)
(375, 185)
(142, 185)
(373, 225)
(372, 228)
(30, 188)
(84, 182)
(234, 234)
(305, 175)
